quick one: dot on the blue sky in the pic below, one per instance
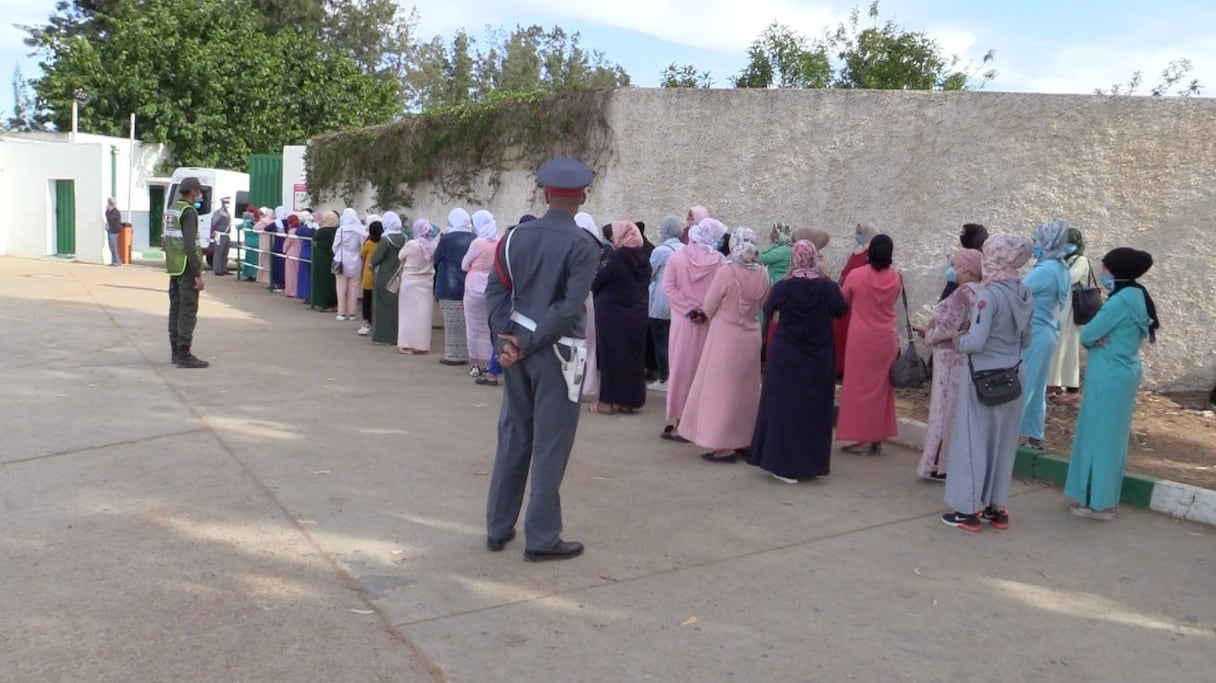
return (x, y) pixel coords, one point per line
(1041, 45)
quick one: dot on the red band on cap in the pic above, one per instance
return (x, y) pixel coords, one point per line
(565, 193)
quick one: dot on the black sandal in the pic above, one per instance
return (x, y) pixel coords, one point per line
(669, 433)
(710, 457)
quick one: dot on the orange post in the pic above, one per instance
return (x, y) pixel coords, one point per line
(124, 243)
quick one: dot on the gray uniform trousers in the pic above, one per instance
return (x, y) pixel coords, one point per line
(536, 427)
(183, 310)
(219, 258)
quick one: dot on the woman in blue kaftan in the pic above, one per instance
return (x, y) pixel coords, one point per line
(1112, 376)
(1050, 284)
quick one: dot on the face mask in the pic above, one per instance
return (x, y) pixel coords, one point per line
(1108, 281)
(198, 205)
(1070, 249)
(1036, 251)
(951, 275)
(861, 239)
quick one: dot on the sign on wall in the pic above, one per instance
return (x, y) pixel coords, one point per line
(299, 196)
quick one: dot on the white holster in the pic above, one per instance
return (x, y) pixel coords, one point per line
(574, 368)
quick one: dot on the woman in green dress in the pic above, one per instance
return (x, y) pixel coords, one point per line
(1112, 376)
(779, 256)
(324, 290)
(384, 264)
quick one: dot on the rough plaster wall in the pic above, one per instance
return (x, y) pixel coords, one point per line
(1126, 171)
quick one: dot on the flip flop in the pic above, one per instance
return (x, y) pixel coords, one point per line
(598, 410)
(855, 448)
(710, 457)
(486, 382)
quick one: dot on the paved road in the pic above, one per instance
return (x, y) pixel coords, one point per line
(311, 509)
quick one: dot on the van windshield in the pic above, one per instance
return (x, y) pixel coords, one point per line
(206, 198)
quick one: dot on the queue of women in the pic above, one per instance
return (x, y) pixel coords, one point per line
(748, 345)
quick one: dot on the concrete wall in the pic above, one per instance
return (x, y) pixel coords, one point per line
(1126, 171)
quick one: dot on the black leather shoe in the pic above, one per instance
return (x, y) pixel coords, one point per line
(564, 550)
(497, 544)
(445, 361)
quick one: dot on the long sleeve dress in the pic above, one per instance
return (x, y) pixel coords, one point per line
(305, 233)
(291, 264)
(948, 365)
(384, 302)
(477, 263)
(324, 289)
(621, 308)
(777, 259)
(1048, 283)
(1066, 363)
(840, 328)
(724, 398)
(416, 300)
(793, 434)
(867, 397)
(686, 280)
(1112, 377)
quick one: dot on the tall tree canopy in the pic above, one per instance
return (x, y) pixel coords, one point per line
(202, 78)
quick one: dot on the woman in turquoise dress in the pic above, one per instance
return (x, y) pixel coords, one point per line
(1051, 285)
(1112, 376)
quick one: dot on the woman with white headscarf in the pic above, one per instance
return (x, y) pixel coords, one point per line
(278, 235)
(260, 248)
(793, 435)
(449, 285)
(686, 281)
(1051, 286)
(347, 245)
(385, 263)
(477, 264)
(724, 398)
(591, 383)
(416, 300)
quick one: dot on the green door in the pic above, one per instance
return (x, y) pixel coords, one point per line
(156, 214)
(65, 217)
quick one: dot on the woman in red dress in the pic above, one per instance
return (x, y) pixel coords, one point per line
(840, 331)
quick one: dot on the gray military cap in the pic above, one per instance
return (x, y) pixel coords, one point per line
(564, 176)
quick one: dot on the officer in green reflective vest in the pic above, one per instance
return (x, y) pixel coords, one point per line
(183, 259)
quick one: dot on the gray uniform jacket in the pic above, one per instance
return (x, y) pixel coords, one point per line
(1000, 326)
(220, 222)
(552, 264)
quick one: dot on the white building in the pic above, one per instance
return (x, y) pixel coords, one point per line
(54, 190)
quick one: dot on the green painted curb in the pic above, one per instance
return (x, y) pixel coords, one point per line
(1052, 468)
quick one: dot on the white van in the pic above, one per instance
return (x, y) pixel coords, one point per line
(217, 184)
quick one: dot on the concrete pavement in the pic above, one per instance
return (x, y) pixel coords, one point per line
(311, 508)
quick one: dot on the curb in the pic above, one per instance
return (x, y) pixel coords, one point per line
(1141, 490)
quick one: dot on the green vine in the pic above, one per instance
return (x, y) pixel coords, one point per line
(451, 146)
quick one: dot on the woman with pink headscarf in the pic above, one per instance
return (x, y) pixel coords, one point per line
(416, 298)
(949, 316)
(686, 281)
(622, 294)
(291, 252)
(793, 435)
(695, 215)
(477, 264)
(725, 394)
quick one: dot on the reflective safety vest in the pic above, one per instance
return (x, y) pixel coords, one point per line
(175, 243)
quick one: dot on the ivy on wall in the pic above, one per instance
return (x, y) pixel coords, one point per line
(451, 146)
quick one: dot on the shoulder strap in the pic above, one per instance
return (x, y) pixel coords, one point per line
(907, 319)
(502, 262)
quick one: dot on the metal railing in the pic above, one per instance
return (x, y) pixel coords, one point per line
(243, 251)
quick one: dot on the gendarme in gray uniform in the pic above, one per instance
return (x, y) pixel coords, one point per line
(551, 264)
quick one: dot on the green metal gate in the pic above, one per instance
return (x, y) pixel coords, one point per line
(266, 180)
(65, 217)
(156, 214)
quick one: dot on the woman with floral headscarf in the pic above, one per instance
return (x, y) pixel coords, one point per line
(1112, 376)
(449, 285)
(862, 235)
(689, 274)
(984, 439)
(1051, 286)
(1064, 378)
(949, 316)
(620, 290)
(416, 298)
(477, 264)
(793, 435)
(777, 257)
(385, 263)
(725, 394)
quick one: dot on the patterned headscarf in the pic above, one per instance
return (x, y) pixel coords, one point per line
(707, 233)
(743, 234)
(1004, 255)
(744, 253)
(805, 260)
(785, 234)
(1075, 238)
(670, 228)
(424, 234)
(1051, 238)
(626, 234)
(487, 229)
(459, 221)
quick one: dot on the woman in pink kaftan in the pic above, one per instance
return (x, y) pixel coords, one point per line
(686, 281)
(867, 397)
(725, 395)
(291, 250)
(949, 317)
(477, 264)
(416, 298)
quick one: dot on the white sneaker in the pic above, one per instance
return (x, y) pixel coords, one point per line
(657, 385)
(340, 317)
(474, 371)
(787, 480)
(365, 330)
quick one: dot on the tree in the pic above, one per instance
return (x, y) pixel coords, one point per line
(24, 116)
(684, 76)
(300, 16)
(200, 81)
(781, 57)
(1174, 73)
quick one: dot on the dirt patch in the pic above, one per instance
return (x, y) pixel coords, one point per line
(1173, 435)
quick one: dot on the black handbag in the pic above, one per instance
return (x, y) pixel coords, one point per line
(336, 266)
(996, 387)
(909, 369)
(1086, 299)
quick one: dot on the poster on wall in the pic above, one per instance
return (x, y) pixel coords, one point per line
(299, 194)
